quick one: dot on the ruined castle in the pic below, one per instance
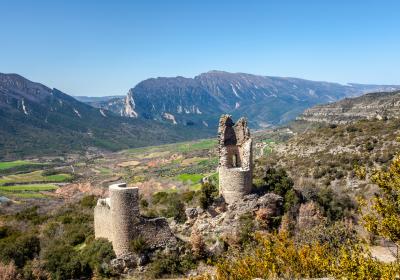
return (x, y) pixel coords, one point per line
(117, 218)
(235, 159)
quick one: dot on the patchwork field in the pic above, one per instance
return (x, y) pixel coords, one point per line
(11, 164)
(27, 191)
(30, 180)
(165, 168)
(34, 177)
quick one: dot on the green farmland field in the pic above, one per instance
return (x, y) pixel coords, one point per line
(12, 164)
(34, 177)
(28, 188)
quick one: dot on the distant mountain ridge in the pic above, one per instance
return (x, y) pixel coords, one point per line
(381, 105)
(200, 100)
(35, 119)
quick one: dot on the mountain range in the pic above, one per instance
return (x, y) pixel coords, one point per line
(199, 101)
(35, 119)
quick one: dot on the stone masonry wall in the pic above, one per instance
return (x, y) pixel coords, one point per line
(102, 221)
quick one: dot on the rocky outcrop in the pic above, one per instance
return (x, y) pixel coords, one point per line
(223, 221)
(309, 216)
(381, 105)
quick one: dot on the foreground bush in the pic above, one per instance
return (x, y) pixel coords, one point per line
(208, 193)
(277, 256)
(171, 264)
(384, 219)
(8, 272)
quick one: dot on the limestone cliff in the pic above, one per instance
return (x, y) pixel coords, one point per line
(382, 105)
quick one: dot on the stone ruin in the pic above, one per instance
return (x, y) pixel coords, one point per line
(117, 219)
(235, 159)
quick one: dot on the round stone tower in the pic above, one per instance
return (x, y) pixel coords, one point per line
(235, 158)
(124, 216)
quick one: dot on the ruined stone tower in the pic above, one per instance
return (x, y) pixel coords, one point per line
(117, 218)
(235, 158)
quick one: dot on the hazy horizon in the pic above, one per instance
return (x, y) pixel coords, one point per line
(101, 48)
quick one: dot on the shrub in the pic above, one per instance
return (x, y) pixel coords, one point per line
(176, 209)
(208, 193)
(335, 206)
(291, 200)
(246, 229)
(76, 238)
(34, 270)
(277, 181)
(9, 272)
(198, 245)
(19, 249)
(369, 146)
(96, 257)
(334, 235)
(89, 201)
(170, 264)
(384, 219)
(188, 196)
(138, 245)
(278, 256)
(30, 214)
(6, 231)
(62, 261)
(144, 203)
(159, 197)
(360, 172)
(352, 128)
(319, 173)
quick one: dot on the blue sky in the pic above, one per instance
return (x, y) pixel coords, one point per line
(100, 48)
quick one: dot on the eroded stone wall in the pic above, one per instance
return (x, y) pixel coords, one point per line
(102, 219)
(235, 158)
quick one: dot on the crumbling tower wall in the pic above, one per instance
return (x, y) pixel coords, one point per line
(102, 219)
(235, 158)
(116, 217)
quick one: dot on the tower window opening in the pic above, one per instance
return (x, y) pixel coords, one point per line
(235, 160)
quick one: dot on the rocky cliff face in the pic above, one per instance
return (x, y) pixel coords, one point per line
(263, 100)
(113, 104)
(382, 105)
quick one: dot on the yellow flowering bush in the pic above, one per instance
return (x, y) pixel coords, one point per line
(278, 256)
(384, 219)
